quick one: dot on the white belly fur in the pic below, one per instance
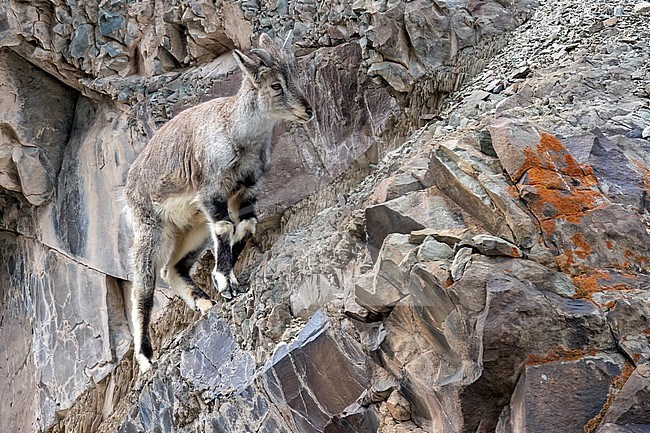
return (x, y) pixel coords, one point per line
(181, 211)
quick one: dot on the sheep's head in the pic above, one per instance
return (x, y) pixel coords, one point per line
(272, 71)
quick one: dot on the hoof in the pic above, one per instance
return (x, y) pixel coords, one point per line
(244, 229)
(143, 362)
(226, 286)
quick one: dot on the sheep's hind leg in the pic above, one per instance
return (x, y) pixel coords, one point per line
(188, 248)
(144, 255)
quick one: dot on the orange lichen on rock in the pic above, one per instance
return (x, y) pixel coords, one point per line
(603, 280)
(589, 283)
(582, 247)
(565, 260)
(617, 385)
(558, 190)
(549, 143)
(563, 188)
(557, 354)
(639, 259)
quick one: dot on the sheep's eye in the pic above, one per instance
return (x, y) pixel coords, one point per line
(276, 86)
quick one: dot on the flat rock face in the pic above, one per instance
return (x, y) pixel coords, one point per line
(458, 242)
(78, 333)
(561, 396)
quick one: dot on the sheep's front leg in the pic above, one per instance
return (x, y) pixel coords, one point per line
(222, 230)
(223, 275)
(245, 209)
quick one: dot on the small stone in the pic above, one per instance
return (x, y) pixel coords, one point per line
(596, 27)
(610, 22)
(450, 237)
(646, 132)
(431, 249)
(642, 8)
(494, 86)
(395, 74)
(278, 320)
(461, 260)
(418, 236)
(383, 383)
(485, 142)
(521, 73)
(495, 246)
(477, 96)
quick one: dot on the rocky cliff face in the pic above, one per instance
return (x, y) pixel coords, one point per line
(458, 242)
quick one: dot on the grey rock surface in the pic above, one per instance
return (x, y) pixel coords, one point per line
(561, 396)
(630, 406)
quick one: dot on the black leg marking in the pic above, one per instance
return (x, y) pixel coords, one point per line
(146, 242)
(184, 266)
(217, 209)
(145, 305)
(248, 181)
(247, 208)
(237, 250)
(246, 212)
(224, 255)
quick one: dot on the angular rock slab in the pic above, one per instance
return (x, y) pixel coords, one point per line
(85, 218)
(302, 388)
(632, 403)
(621, 177)
(383, 288)
(629, 317)
(467, 177)
(495, 246)
(213, 363)
(63, 322)
(414, 211)
(458, 350)
(521, 321)
(18, 379)
(561, 396)
(316, 377)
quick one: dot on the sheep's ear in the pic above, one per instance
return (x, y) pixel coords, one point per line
(247, 65)
(266, 42)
